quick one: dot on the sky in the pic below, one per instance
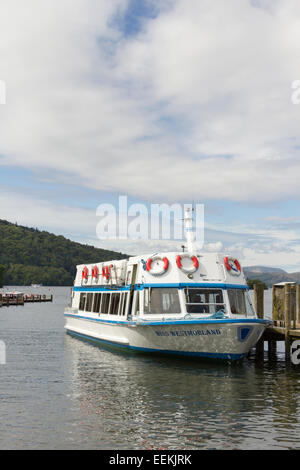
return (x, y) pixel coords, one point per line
(164, 101)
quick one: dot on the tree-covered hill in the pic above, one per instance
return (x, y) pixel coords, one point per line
(270, 276)
(31, 256)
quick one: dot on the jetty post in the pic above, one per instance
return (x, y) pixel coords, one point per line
(272, 343)
(298, 306)
(259, 308)
(287, 320)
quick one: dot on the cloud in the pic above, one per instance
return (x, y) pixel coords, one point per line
(214, 247)
(188, 100)
(195, 104)
(279, 248)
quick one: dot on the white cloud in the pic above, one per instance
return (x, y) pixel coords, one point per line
(214, 247)
(198, 104)
(32, 212)
(269, 248)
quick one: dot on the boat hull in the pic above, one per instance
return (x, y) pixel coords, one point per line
(216, 339)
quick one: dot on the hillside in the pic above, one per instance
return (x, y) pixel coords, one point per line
(263, 269)
(270, 276)
(31, 256)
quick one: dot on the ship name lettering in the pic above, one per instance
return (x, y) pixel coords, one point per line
(189, 332)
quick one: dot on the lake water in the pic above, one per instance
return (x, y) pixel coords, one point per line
(57, 392)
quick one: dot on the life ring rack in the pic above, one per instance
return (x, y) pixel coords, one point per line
(164, 266)
(190, 270)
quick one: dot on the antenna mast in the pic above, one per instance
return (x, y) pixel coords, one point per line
(189, 231)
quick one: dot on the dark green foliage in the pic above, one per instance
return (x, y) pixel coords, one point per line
(1, 274)
(251, 283)
(31, 256)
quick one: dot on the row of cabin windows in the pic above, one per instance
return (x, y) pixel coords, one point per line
(166, 301)
(112, 303)
(197, 300)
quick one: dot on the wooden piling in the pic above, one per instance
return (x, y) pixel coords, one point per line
(259, 308)
(259, 300)
(298, 306)
(287, 320)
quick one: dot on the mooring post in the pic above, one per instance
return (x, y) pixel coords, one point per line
(272, 344)
(287, 320)
(259, 308)
(298, 306)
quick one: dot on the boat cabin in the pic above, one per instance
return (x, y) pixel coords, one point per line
(163, 286)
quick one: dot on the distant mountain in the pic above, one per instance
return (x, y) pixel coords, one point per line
(263, 269)
(270, 276)
(31, 256)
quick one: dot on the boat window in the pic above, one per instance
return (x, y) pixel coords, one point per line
(96, 305)
(123, 307)
(161, 301)
(114, 304)
(121, 303)
(137, 305)
(204, 300)
(240, 302)
(128, 278)
(89, 302)
(105, 303)
(82, 301)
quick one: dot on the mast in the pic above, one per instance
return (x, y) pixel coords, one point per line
(189, 230)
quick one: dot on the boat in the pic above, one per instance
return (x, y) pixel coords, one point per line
(186, 303)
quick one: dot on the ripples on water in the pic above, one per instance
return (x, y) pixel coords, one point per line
(59, 392)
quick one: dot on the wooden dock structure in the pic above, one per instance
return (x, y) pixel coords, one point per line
(18, 298)
(285, 318)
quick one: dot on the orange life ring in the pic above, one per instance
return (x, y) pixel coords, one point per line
(187, 270)
(95, 272)
(236, 271)
(163, 269)
(105, 272)
(85, 273)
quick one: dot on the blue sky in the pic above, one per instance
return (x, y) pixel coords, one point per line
(163, 101)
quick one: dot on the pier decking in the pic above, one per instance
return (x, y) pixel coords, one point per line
(285, 317)
(18, 298)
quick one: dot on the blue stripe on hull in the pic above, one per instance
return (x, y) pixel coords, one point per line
(231, 357)
(180, 285)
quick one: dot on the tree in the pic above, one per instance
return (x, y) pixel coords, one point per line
(31, 256)
(1, 274)
(251, 283)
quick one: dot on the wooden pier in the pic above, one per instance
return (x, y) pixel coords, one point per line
(18, 298)
(285, 318)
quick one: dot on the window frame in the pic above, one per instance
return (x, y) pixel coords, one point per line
(206, 304)
(83, 296)
(147, 296)
(246, 299)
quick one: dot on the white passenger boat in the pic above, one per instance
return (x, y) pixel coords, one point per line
(182, 303)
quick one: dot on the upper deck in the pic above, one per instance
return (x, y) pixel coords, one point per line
(173, 269)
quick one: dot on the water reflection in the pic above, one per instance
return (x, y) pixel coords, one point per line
(127, 401)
